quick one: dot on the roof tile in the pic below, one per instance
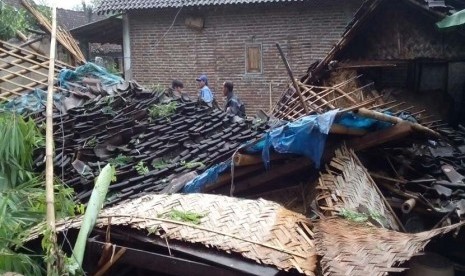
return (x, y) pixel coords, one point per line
(123, 5)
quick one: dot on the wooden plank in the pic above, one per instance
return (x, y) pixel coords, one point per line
(377, 138)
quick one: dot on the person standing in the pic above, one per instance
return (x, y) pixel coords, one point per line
(205, 94)
(233, 104)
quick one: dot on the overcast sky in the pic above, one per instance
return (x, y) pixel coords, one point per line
(65, 4)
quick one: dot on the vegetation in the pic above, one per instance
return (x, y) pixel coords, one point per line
(13, 20)
(192, 165)
(106, 176)
(22, 195)
(362, 217)
(162, 110)
(184, 216)
(108, 110)
(92, 142)
(141, 168)
(159, 164)
(120, 160)
(17, 143)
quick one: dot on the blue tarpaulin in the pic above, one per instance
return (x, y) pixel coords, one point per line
(208, 176)
(88, 69)
(306, 136)
(30, 102)
(351, 120)
(35, 100)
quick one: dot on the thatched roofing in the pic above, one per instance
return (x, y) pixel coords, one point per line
(267, 233)
(259, 230)
(349, 248)
(347, 185)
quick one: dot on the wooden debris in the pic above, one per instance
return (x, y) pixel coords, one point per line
(63, 36)
(350, 248)
(18, 62)
(346, 185)
(380, 137)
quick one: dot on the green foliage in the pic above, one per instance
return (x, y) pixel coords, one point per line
(22, 194)
(120, 160)
(159, 164)
(192, 165)
(141, 168)
(92, 142)
(18, 140)
(162, 110)
(108, 110)
(21, 208)
(362, 217)
(184, 216)
(12, 20)
(94, 206)
(112, 69)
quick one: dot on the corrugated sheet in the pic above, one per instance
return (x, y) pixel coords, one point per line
(124, 5)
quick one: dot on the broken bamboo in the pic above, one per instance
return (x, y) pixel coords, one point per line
(395, 120)
(408, 205)
(296, 86)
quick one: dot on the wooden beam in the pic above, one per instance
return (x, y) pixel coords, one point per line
(399, 131)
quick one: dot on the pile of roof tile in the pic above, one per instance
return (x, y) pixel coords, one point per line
(148, 151)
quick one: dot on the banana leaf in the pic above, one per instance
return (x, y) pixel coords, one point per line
(90, 217)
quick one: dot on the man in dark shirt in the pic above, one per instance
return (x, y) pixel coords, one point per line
(233, 104)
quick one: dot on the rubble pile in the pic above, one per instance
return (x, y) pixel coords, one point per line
(423, 178)
(151, 138)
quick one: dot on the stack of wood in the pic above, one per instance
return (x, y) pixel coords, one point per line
(63, 36)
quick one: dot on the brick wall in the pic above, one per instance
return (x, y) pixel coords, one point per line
(306, 32)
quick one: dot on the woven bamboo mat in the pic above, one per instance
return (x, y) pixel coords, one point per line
(346, 185)
(259, 230)
(292, 198)
(349, 248)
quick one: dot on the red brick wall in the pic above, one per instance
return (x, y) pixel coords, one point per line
(306, 31)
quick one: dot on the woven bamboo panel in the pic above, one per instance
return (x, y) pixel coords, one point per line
(292, 198)
(347, 185)
(259, 230)
(400, 32)
(349, 248)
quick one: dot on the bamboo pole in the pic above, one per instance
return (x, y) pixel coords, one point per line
(49, 194)
(23, 37)
(25, 59)
(15, 49)
(339, 97)
(294, 82)
(63, 36)
(395, 120)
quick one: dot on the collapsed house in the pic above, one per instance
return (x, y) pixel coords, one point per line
(349, 183)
